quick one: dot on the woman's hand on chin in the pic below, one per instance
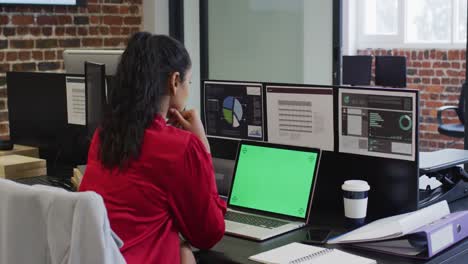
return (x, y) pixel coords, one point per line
(189, 120)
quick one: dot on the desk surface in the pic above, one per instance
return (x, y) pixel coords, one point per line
(236, 250)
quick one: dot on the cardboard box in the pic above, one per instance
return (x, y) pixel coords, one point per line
(21, 150)
(78, 173)
(17, 166)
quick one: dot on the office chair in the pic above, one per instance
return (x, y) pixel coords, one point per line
(54, 226)
(390, 71)
(357, 70)
(453, 130)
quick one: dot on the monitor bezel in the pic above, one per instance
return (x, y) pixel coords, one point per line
(273, 214)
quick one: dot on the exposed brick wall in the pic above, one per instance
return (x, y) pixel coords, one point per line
(439, 75)
(32, 38)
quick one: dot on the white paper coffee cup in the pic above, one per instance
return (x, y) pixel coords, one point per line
(355, 196)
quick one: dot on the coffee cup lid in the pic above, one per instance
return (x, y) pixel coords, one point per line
(355, 186)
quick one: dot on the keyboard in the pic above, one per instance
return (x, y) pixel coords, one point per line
(45, 180)
(34, 180)
(254, 220)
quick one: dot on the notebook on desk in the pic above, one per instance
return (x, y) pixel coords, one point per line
(297, 253)
(272, 189)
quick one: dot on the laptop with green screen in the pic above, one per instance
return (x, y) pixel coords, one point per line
(272, 189)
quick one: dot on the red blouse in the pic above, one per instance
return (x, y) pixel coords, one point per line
(169, 190)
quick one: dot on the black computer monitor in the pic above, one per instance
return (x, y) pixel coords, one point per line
(390, 71)
(37, 108)
(233, 110)
(95, 87)
(357, 70)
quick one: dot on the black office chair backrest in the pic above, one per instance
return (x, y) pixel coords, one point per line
(390, 71)
(461, 104)
(357, 70)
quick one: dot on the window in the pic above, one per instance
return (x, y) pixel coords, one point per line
(460, 21)
(382, 17)
(242, 35)
(411, 23)
(428, 21)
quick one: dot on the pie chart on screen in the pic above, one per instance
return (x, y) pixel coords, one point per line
(232, 111)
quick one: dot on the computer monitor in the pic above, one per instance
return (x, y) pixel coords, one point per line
(37, 109)
(357, 70)
(74, 59)
(95, 87)
(390, 71)
(378, 122)
(300, 115)
(233, 110)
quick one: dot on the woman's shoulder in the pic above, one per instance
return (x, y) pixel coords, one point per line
(169, 133)
(170, 139)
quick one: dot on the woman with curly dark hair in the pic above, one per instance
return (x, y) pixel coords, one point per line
(157, 180)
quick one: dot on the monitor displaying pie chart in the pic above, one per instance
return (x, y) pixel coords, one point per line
(232, 111)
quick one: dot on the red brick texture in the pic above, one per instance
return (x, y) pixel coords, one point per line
(32, 38)
(438, 75)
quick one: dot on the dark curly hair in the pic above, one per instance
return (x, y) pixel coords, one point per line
(134, 95)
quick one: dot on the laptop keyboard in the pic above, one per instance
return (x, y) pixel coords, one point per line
(43, 180)
(49, 181)
(253, 220)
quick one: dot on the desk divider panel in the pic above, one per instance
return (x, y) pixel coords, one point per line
(394, 182)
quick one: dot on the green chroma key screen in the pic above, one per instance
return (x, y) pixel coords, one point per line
(273, 180)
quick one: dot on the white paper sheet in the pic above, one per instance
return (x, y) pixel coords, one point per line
(76, 100)
(300, 119)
